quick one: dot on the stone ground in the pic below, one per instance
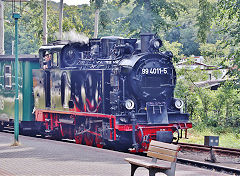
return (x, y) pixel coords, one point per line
(38, 156)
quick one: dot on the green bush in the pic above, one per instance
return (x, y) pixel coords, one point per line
(215, 109)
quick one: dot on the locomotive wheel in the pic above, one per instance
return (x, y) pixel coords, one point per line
(89, 139)
(79, 139)
(98, 141)
(57, 134)
(1, 126)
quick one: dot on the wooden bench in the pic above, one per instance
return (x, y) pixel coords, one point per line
(157, 150)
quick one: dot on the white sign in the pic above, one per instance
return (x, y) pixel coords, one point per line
(154, 71)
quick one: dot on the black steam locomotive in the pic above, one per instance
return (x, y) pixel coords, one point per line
(110, 92)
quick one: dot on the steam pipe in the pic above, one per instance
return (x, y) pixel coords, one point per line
(133, 119)
(123, 82)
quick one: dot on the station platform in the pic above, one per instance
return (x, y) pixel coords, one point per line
(37, 156)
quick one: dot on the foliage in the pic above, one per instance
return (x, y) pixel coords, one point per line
(150, 15)
(219, 49)
(229, 18)
(30, 24)
(219, 108)
(110, 20)
(175, 48)
(9, 37)
(190, 46)
(204, 19)
(193, 98)
(185, 31)
(97, 3)
(86, 15)
(215, 54)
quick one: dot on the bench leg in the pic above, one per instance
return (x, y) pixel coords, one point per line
(133, 169)
(171, 172)
(152, 172)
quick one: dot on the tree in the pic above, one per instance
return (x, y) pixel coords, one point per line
(228, 15)
(110, 22)
(216, 53)
(185, 31)
(1, 27)
(31, 31)
(175, 48)
(60, 19)
(44, 22)
(150, 15)
(204, 19)
(97, 4)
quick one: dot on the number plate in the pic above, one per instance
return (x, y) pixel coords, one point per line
(154, 71)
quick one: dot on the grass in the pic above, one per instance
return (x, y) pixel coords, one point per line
(227, 139)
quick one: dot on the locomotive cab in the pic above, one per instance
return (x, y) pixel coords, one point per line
(53, 54)
(63, 54)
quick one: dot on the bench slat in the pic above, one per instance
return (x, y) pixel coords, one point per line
(164, 145)
(162, 151)
(161, 156)
(145, 164)
(138, 162)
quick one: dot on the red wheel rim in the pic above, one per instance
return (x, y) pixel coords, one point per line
(98, 141)
(79, 139)
(88, 139)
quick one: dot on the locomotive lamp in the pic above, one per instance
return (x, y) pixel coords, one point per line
(129, 104)
(179, 103)
(16, 15)
(156, 43)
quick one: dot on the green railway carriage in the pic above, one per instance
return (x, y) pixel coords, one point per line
(7, 89)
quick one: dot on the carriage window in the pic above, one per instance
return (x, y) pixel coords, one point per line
(55, 59)
(7, 77)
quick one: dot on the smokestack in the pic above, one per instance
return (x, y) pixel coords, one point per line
(145, 39)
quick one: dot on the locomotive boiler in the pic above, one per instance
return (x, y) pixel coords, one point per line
(110, 92)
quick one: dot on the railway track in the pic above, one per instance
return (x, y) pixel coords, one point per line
(218, 150)
(8, 130)
(210, 166)
(193, 147)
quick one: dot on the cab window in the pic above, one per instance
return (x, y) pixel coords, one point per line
(55, 56)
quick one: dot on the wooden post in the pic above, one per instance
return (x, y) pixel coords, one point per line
(96, 23)
(60, 19)
(44, 22)
(213, 158)
(1, 27)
